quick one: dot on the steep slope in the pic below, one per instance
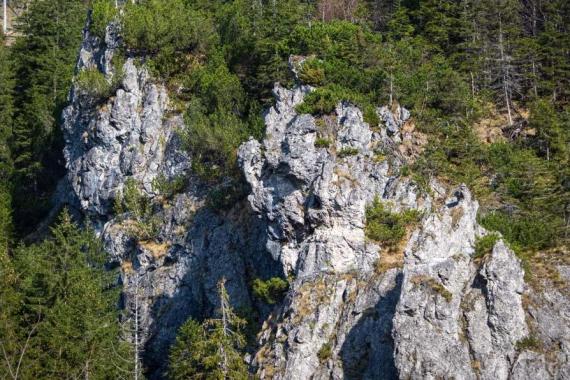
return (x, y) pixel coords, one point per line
(425, 308)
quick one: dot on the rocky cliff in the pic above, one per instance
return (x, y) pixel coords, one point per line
(425, 309)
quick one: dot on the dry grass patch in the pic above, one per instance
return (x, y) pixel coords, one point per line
(432, 284)
(157, 250)
(127, 267)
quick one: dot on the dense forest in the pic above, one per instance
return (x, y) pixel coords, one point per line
(487, 82)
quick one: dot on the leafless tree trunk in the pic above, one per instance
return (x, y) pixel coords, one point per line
(5, 23)
(505, 72)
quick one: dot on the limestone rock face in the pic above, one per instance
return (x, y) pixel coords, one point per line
(356, 309)
(129, 135)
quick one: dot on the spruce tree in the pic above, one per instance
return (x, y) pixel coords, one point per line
(6, 115)
(66, 320)
(44, 56)
(210, 350)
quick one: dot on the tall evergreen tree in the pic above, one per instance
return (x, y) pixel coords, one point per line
(6, 117)
(44, 56)
(210, 350)
(65, 323)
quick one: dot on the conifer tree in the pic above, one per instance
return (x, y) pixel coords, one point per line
(44, 57)
(65, 323)
(6, 114)
(210, 350)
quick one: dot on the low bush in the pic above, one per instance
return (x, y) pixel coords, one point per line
(322, 143)
(93, 83)
(484, 244)
(530, 231)
(168, 188)
(145, 223)
(165, 32)
(270, 291)
(325, 352)
(347, 152)
(312, 72)
(385, 226)
(529, 343)
(102, 13)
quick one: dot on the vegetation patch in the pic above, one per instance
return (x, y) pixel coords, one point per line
(270, 291)
(385, 226)
(433, 285)
(529, 343)
(93, 83)
(325, 352)
(103, 12)
(143, 223)
(322, 143)
(168, 188)
(312, 72)
(347, 152)
(484, 245)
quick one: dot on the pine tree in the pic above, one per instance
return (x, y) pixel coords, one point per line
(210, 350)
(6, 114)
(65, 321)
(554, 51)
(44, 58)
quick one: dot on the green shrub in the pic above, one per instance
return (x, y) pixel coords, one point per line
(385, 226)
(218, 120)
(325, 352)
(530, 343)
(166, 31)
(323, 100)
(102, 13)
(270, 291)
(523, 231)
(322, 143)
(169, 188)
(212, 139)
(226, 195)
(312, 72)
(347, 152)
(370, 115)
(145, 223)
(484, 244)
(93, 82)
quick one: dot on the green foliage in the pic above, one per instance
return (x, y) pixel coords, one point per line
(6, 164)
(166, 31)
(144, 223)
(385, 226)
(312, 72)
(529, 343)
(62, 308)
(169, 188)
(484, 244)
(322, 143)
(44, 58)
(93, 83)
(325, 352)
(551, 138)
(270, 291)
(347, 152)
(103, 12)
(210, 350)
(523, 231)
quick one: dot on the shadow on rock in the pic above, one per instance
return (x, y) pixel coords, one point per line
(368, 351)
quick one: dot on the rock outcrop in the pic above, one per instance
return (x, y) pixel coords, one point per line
(424, 309)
